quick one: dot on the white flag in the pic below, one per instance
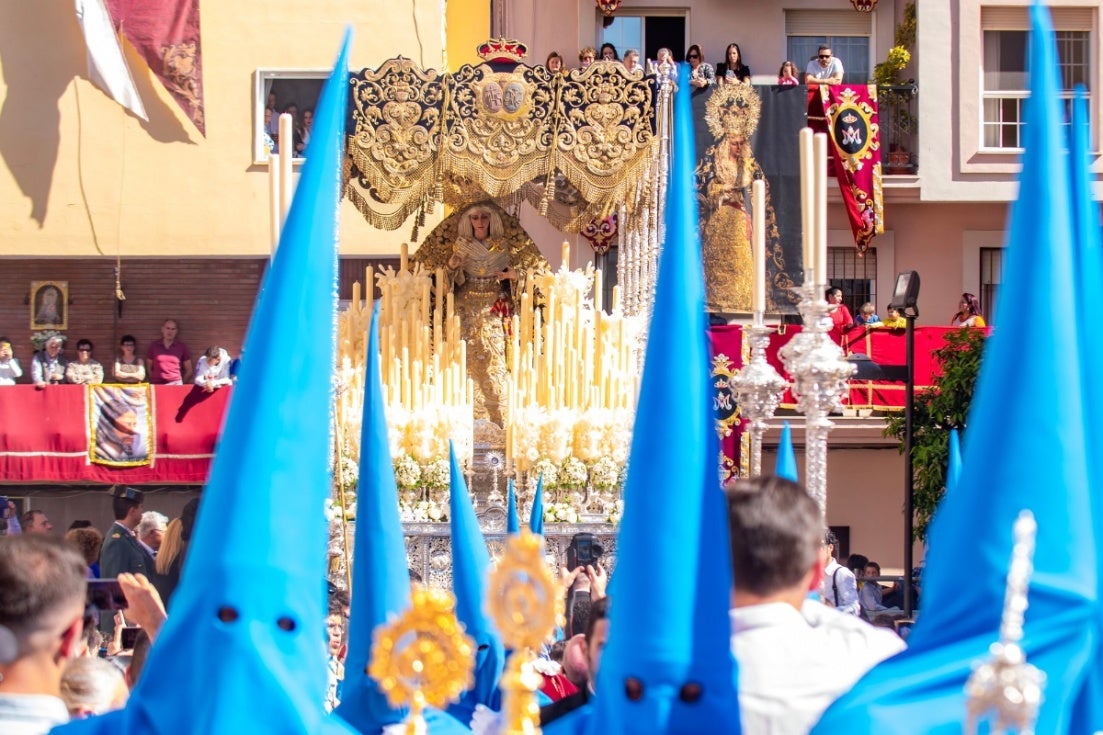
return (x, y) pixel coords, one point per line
(106, 66)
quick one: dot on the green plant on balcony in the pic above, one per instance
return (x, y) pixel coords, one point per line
(895, 102)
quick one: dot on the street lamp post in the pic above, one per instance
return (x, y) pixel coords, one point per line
(905, 300)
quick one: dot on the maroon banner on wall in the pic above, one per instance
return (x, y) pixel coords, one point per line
(166, 34)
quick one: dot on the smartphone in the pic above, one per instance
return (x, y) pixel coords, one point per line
(130, 636)
(106, 594)
(583, 551)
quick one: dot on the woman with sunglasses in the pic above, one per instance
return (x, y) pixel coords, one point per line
(701, 74)
(824, 68)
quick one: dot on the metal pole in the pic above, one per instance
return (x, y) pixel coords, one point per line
(909, 491)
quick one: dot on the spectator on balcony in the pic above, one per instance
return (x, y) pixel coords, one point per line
(84, 370)
(168, 361)
(841, 318)
(968, 312)
(586, 57)
(896, 320)
(632, 60)
(302, 133)
(867, 316)
(701, 74)
(129, 368)
(732, 68)
(824, 69)
(9, 365)
(48, 365)
(213, 369)
(609, 52)
(787, 74)
(554, 63)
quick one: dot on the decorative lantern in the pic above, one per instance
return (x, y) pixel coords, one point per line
(608, 7)
(864, 6)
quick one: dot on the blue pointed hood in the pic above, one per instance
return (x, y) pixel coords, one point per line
(1088, 712)
(682, 636)
(470, 571)
(513, 524)
(249, 611)
(786, 465)
(380, 577)
(953, 463)
(536, 517)
(1000, 475)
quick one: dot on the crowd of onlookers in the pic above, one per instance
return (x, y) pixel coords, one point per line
(824, 68)
(795, 653)
(167, 362)
(301, 126)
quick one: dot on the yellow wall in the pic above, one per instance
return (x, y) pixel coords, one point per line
(468, 25)
(79, 176)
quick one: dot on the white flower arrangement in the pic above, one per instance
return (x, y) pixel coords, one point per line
(437, 474)
(407, 472)
(605, 473)
(573, 473)
(557, 435)
(548, 470)
(423, 511)
(348, 472)
(560, 513)
(616, 510)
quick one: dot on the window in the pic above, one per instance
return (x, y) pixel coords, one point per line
(846, 32)
(645, 33)
(991, 275)
(1005, 85)
(295, 89)
(856, 276)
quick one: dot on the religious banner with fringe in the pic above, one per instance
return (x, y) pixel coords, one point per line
(848, 113)
(120, 425)
(166, 34)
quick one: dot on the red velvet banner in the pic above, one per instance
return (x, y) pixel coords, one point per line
(166, 34)
(45, 434)
(848, 113)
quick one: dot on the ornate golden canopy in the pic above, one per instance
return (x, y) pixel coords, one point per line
(497, 130)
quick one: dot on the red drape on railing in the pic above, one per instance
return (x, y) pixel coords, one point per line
(44, 436)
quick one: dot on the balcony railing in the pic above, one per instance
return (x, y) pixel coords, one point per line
(898, 113)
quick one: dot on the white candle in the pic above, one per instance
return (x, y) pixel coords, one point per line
(758, 202)
(274, 198)
(566, 255)
(807, 178)
(403, 258)
(820, 155)
(287, 186)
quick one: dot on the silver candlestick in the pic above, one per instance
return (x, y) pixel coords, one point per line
(757, 388)
(819, 374)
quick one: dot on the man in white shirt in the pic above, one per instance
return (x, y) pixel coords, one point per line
(41, 627)
(826, 68)
(213, 369)
(796, 656)
(840, 588)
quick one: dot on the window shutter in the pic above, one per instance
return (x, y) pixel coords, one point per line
(1016, 18)
(827, 23)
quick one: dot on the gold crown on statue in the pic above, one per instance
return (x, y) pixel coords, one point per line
(733, 110)
(503, 49)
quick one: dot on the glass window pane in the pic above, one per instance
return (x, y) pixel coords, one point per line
(625, 32)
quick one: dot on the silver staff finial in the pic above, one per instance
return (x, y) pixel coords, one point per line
(1006, 683)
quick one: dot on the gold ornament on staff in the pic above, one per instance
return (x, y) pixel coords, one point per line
(423, 658)
(525, 603)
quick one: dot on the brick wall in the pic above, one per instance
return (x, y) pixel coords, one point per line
(211, 298)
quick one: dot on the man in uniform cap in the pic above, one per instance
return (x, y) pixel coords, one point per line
(122, 551)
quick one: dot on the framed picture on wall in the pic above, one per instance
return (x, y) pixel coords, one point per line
(50, 305)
